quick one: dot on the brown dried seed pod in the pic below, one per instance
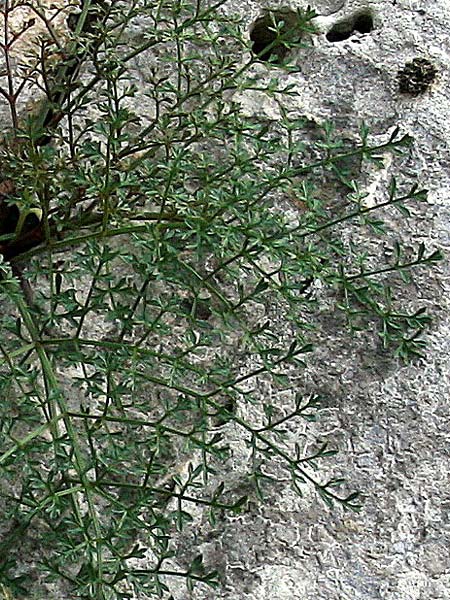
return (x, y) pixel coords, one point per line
(416, 76)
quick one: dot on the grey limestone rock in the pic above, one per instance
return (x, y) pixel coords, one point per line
(389, 421)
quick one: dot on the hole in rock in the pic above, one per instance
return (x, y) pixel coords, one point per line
(9, 217)
(89, 23)
(18, 233)
(72, 20)
(361, 23)
(266, 42)
(199, 309)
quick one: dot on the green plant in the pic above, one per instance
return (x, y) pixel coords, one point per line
(155, 274)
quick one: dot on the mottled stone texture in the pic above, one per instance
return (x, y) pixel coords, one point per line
(389, 421)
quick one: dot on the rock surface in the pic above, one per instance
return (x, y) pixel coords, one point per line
(389, 421)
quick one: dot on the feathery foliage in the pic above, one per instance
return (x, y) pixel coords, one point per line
(164, 259)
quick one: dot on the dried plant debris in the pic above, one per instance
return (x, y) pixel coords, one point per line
(416, 76)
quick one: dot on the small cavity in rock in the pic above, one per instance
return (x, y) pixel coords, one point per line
(360, 23)
(263, 36)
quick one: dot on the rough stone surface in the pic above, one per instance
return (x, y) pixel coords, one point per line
(388, 420)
